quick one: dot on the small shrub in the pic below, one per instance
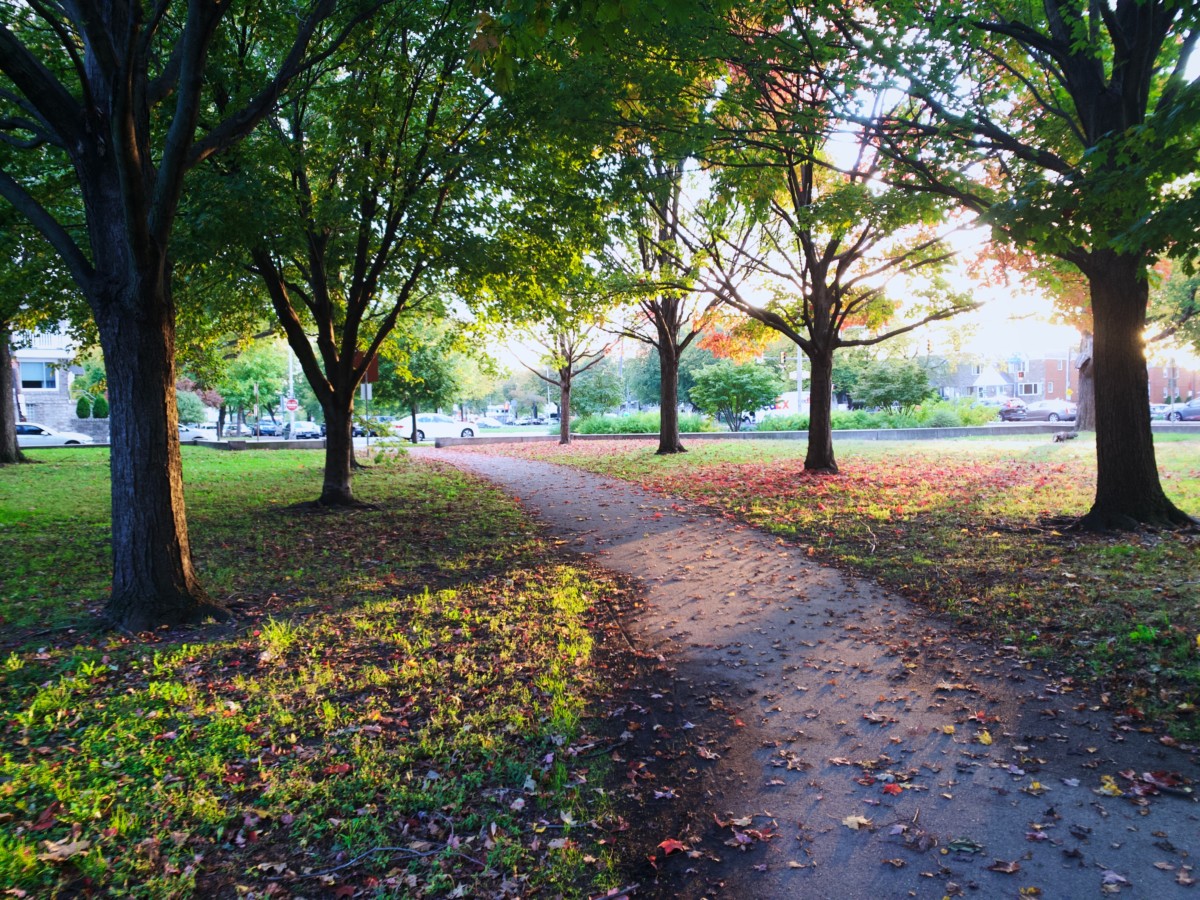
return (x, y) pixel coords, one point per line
(790, 422)
(100, 408)
(83, 407)
(942, 416)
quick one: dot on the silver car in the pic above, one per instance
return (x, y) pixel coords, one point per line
(31, 434)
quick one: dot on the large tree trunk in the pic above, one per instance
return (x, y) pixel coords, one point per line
(339, 451)
(564, 408)
(819, 457)
(1085, 418)
(9, 451)
(668, 404)
(1128, 491)
(154, 582)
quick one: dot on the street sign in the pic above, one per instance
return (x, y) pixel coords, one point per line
(291, 404)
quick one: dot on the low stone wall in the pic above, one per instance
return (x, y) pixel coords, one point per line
(866, 434)
(96, 429)
(247, 444)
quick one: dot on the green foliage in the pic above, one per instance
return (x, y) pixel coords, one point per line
(83, 408)
(596, 391)
(902, 383)
(418, 366)
(92, 381)
(730, 391)
(943, 414)
(643, 376)
(255, 377)
(100, 408)
(191, 408)
(640, 423)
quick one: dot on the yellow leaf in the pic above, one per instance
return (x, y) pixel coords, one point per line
(1108, 786)
(947, 729)
(985, 738)
(856, 822)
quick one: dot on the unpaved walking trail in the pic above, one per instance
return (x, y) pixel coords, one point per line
(886, 756)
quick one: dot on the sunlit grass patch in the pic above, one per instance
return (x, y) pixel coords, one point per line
(412, 676)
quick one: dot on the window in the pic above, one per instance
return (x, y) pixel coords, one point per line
(1030, 388)
(1060, 365)
(1049, 387)
(38, 376)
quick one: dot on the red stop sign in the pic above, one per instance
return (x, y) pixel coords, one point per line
(291, 404)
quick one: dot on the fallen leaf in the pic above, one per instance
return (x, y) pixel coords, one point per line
(856, 822)
(60, 851)
(670, 845)
(1005, 867)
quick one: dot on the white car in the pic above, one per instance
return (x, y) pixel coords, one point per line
(432, 425)
(194, 433)
(31, 434)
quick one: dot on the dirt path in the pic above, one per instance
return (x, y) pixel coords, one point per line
(836, 703)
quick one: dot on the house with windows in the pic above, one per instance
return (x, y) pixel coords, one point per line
(1030, 379)
(42, 376)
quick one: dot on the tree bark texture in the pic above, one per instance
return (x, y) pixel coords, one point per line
(1085, 417)
(819, 457)
(10, 452)
(154, 582)
(339, 451)
(668, 404)
(564, 406)
(1128, 490)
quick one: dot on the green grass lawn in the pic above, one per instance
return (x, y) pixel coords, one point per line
(418, 676)
(967, 527)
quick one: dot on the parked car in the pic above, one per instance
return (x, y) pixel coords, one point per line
(266, 428)
(31, 434)
(1009, 409)
(1052, 411)
(195, 433)
(488, 422)
(1188, 412)
(1159, 411)
(302, 431)
(434, 425)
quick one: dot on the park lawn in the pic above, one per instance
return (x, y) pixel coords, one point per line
(973, 528)
(422, 676)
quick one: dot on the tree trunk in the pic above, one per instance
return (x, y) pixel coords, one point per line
(564, 408)
(339, 452)
(668, 404)
(221, 413)
(413, 413)
(9, 451)
(154, 582)
(819, 457)
(1085, 417)
(1128, 491)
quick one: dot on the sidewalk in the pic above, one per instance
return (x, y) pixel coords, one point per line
(859, 747)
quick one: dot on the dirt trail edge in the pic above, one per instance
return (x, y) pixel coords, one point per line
(870, 751)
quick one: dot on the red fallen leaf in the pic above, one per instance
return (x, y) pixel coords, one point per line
(344, 891)
(893, 789)
(339, 769)
(48, 818)
(670, 845)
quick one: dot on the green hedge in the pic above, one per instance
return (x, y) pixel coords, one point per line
(638, 423)
(944, 414)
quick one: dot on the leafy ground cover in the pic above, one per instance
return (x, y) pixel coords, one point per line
(408, 704)
(972, 529)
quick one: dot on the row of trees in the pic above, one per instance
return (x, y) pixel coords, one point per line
(191, 166)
